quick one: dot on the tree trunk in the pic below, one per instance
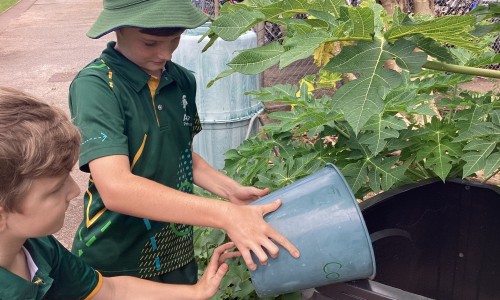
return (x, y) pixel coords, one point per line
(420, 7)
(390, 5)
(423, 7)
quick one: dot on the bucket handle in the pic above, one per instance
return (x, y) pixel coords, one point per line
(378, 235)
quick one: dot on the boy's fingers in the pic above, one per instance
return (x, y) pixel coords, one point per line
(224, 247)
(270, 207)
(248, 260)
(229, 255)
(283, 241)
(278, 237)
(271, 248)
(221, 271)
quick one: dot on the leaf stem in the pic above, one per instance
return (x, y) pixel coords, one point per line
(419, 166)
(439, 66)
(451, 111)
(416, 173)
(488, 178)
(341, 132)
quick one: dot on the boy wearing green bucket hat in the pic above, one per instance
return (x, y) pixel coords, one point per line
(137, 113)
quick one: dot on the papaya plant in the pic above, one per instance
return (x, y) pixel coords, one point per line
(389, 127)
(381, 126)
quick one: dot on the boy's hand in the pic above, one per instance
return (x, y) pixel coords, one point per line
(247, 194)
(209, 282)
(250, 233)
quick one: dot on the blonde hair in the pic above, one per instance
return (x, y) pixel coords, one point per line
(36, 140)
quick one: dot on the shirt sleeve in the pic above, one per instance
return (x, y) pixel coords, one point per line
(73, 278)
(98, 114)
(96, 289)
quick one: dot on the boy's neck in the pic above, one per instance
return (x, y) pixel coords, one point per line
(13, 258)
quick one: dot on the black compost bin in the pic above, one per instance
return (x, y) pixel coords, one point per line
(431, 240)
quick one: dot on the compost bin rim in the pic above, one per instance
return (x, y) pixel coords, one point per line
(385, 195)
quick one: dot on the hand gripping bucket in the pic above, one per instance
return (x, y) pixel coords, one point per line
(321, 217)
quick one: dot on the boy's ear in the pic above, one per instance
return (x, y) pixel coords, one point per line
(3, 218)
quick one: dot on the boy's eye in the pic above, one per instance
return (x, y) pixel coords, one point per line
(149, 44)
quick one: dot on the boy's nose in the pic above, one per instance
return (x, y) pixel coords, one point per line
(165, 54)
(74, 190)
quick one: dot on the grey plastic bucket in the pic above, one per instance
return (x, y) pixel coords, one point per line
(225, 101)
(321, 217)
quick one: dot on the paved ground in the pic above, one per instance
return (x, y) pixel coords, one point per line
(42, 46)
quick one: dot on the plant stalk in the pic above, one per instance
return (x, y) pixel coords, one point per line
(416, 174)
(489, 177)
(421, 168)
(439, 66)
(341, 132)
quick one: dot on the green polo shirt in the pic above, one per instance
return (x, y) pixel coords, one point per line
(112, 104)
(60, 275)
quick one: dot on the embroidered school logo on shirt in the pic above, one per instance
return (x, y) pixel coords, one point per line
(186, 119)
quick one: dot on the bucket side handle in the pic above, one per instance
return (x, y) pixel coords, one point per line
(389, 232)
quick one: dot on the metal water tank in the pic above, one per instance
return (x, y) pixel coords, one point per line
(226, 113)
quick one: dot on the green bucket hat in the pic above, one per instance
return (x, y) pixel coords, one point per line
(146, 14)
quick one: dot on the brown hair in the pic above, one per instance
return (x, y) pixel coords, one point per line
(36, 140)
(162, 31)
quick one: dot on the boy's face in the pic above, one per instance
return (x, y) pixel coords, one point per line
(149, 52)
(44, 206)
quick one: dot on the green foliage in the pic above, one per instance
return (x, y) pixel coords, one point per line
(385, 128)
(6, 4)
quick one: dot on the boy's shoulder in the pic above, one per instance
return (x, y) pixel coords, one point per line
(44, 246)
(181, 73)
(59, 274)
(95, 68)
(42, 250)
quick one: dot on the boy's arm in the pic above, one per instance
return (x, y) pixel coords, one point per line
(221, 185)
(120, 189)
(127, 287)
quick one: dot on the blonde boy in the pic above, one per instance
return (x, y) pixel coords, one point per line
(38, 148)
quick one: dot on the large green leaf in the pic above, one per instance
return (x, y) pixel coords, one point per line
(433, 48)
(331, 6)
(492, 164)
(254, 61)
(485, 60)
(223, 74)
(378, 130)
(302, 26)
(356, 174)
(302, 46)
(279, 92)
(230, 26)
(380, 174)
(384, 173)
(362, 98)
(289, 8)
(285, 9)
(483, 129)
(475, 156)
(360, 23)
(436, 149)
(448, 29)
(257, 3)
